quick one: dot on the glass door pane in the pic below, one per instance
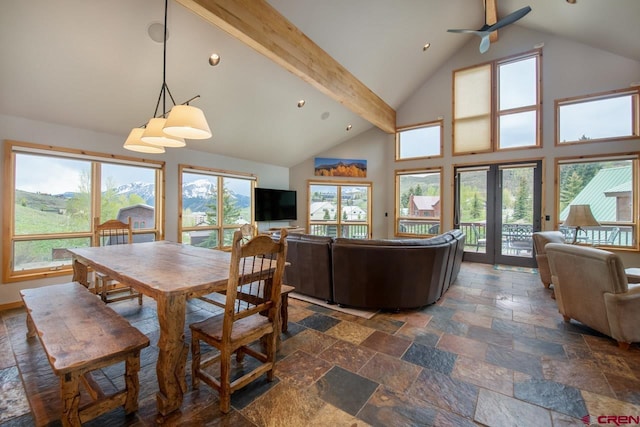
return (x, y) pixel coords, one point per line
(471, 207)
(517, 211)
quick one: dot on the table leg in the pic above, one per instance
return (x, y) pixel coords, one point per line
(172, 357)
(80, 273)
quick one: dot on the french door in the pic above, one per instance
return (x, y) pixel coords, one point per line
(498, 206)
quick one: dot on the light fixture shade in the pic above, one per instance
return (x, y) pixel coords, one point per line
(580, 216)
(134, 143)
(188, 122)
(153, 134)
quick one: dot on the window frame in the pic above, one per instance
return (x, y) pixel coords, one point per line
(11, 149)
(496, 113)
(339, 221)
(635, 173)
(619, 93)
(220, 174)
(432, 124)
(398, 173)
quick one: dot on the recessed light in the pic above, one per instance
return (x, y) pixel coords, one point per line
(325, 115)
(301, 103)
(349, 127)
(571, 1)
(214, 59)
(426, 46)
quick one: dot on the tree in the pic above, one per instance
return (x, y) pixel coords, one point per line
(476, 207)
(570, 188)
(230, 209)
(79, 206)
(521, 209)
(326, 214)
(418, 190)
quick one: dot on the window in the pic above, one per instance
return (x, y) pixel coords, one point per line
(512, 121)
(56, 193)
(418, 202)
(213, 205)
(600, 117)
(419, 141)
(340, 210)
(608, 186)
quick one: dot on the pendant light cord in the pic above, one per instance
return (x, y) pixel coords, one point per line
(165, 88)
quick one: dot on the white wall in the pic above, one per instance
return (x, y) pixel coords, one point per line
(20, 129)
(568, 69)
(373, 146)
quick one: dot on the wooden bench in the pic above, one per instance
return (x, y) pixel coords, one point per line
(81, 334)
(218, 299)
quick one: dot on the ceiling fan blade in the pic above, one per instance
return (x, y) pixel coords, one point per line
(486, 30)
(463, 31)
(485, 43)
(510, 19)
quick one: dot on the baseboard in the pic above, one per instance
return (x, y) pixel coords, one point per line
(11, 305)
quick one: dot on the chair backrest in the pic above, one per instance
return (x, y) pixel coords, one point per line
(112, 232)
(541, 238)
(476, 231)
(615, 231)
(255, 278)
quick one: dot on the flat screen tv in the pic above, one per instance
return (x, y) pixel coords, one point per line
(275, 205)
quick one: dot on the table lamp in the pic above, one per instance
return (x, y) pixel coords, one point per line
(580, 216)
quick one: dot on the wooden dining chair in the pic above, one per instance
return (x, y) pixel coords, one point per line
(113, 232)
(244, 320)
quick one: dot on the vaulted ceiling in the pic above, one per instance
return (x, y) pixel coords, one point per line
(93, 65)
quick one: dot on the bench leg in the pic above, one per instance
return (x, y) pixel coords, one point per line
(31, 327)
(131, 382)
(70, 393)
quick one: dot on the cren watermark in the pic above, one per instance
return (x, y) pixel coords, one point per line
(613, 420)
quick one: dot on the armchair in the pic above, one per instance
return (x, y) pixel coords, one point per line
(540, 239)
(591, 287)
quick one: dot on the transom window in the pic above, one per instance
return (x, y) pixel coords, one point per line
(340, 209)
(54, 196)
(419, 141)
(607, 185)
(601, 117)
(481, 124)
(213, 205)
(418, 202)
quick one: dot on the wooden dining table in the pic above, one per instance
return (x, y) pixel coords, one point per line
(170, 273)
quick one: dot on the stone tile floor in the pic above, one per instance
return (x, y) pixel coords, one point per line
(494, 351)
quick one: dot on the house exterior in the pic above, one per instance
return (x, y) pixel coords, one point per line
(424, 206)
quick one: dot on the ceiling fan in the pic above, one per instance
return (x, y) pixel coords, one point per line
(486, 29)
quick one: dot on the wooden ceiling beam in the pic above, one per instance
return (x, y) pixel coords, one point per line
(491, 17)
(257, 24)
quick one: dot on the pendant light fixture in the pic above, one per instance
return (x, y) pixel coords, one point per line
(169, 129)
(134, 143)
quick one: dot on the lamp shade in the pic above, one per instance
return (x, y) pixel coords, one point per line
(134, 143)
(580, 216)
(185, 121)
(153, 134)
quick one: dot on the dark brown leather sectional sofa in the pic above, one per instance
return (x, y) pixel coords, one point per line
(379, 274)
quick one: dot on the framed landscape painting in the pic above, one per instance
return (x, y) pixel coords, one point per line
(340, 167)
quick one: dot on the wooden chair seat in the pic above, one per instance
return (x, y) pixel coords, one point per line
(219, 299)
(242, 329)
